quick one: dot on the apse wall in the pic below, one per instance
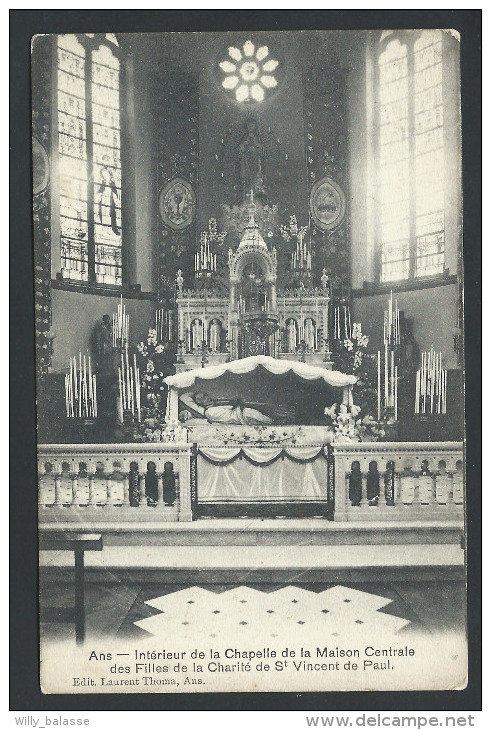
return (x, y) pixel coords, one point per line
(280, 115)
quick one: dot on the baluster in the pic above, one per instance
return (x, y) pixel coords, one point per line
(443, 486)
(355, 480)
(408, 486)
(151, 485)
(160, 487)
(92, 495)
(169, 484)
(126, 483)
(57, 475)
(373, 484)
(83, 486)
(390, 484)
(143, 482)
(65, 486)
(425, 484)
(99, 485)
(116, 485)
(47, 486)
(458, 483)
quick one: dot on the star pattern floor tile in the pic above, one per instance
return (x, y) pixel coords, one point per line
(251, 614)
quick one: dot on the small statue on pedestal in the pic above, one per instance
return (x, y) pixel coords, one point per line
(103, 345)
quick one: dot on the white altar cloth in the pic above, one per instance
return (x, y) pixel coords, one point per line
(290, 474)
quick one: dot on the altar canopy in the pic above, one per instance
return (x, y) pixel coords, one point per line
(256, 391)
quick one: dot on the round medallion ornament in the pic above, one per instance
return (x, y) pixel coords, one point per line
(177, 204)
(327, 204)
(40, 167)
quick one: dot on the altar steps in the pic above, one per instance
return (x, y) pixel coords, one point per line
(249, 532)
(270, 551)
(266, 564)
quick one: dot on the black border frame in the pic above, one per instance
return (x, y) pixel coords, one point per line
(25, 694)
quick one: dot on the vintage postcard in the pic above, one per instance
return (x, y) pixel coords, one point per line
(249, 332)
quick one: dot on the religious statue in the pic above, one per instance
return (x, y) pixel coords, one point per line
(103, 344)
(201, 406)
(215, 343)
(310, 335)
(251, 156)
(291, 335)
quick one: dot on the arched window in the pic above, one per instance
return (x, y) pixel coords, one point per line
(89, 158)
(410, 190)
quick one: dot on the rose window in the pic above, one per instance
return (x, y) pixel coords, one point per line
(249, 72)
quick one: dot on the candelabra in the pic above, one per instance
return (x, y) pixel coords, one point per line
(205, 262)
(129, 406)
(164, 325)
(81, 393)
(388, 370)
(301, 261)
(341, 321)
(431, 385)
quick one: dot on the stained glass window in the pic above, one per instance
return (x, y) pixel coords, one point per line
(410, 139)
(428, 154)
(394, 161)
(89, 160)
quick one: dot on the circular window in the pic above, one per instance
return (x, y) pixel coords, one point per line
(249, 72)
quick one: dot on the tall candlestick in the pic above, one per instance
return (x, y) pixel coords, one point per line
(395, 394)
(378, 385)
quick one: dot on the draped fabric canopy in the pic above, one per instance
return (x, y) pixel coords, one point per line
(261, 456)
(277, 367)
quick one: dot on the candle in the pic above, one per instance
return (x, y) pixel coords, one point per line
(395, 394)
(94, 390)
(378, 385)
(392, 377)
(386, 376)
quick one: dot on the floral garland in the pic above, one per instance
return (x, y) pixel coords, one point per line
(263, 435)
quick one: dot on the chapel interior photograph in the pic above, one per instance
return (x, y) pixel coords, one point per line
(249, 331)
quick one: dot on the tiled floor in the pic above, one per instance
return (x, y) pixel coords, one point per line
(137, 611)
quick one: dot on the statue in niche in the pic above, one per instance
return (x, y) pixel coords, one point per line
(310, 335)
(215, 343)
(251, 157)
(103, 344)
(291, 335)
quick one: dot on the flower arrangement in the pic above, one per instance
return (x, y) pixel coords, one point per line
(213, 235)
(169, 432)
(292, 231)
(155, 363)
(348, 423)
(356, 422)
(352, 358)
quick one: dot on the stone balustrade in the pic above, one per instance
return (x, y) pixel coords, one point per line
(399, 481)
(107, 482)
(382, 481)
